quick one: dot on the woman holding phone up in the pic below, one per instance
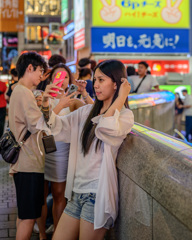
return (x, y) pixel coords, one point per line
(95, 133)
(56, 163)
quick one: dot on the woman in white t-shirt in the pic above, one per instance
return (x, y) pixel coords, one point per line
(95, 133)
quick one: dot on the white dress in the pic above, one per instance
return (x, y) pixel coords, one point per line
(56, 163)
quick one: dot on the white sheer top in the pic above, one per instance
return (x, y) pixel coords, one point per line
(111, 131)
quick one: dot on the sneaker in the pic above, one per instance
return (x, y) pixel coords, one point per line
(50, 229)
(36, 228)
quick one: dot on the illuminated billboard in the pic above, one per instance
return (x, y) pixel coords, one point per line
(48, 7)
(139, 40)
(141, 13)
(79, 21)
(12, 16)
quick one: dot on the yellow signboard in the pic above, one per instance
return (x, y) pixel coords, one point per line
(11, 16)
(141, 13)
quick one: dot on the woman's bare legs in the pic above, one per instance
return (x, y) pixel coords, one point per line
(87, 231)
(59, 201)
(41, 222)
(24, 229)
(70, 228)
(67, 228)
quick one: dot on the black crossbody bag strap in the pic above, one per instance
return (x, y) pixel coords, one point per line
(139, 84)
(27, 135)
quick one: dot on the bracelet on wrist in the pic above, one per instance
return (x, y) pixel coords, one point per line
(84, 98)
(45, 108)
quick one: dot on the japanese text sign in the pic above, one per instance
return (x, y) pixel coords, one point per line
(79, 20)
(140, 40)
(141, 13)
(160, 67)
(11, 15)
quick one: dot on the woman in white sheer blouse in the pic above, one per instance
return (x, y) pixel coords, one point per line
(95, 133)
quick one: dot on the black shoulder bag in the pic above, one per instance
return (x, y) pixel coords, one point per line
(135, 91)
(9, 147)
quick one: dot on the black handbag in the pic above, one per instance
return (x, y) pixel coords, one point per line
(9, 147)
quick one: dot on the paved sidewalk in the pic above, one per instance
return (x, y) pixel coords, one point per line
(8, 210)
(8, 205)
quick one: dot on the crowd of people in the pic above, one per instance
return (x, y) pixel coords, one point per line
(87, 134)
(88, 127)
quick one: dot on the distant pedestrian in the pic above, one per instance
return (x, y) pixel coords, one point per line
(14, 80)
(3, 104)
(178, 112)
(84, 63)
(93, 64)
(188, 113)
(130, 72)
(144, 82)
(86, 74)
(55, 59)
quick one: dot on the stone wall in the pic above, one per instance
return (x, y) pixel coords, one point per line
(155, 188)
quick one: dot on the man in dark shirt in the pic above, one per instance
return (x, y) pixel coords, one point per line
(14, 75)
(3, 104)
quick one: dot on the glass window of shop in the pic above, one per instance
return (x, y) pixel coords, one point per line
(48, 7)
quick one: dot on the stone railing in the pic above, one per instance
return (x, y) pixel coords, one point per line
(155, 187)
(154, 109)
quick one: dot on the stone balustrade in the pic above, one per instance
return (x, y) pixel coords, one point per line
(155, 187)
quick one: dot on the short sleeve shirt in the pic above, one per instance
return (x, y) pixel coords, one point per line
(188, 101)
(146, 85)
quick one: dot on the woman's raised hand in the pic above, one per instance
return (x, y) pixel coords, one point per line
(125, 88)
(81, 85)
(66, 100)
(50, 89)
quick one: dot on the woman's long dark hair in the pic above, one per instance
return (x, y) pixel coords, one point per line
(115, 70)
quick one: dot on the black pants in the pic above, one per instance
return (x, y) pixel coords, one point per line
(2, 120)
(188, 126)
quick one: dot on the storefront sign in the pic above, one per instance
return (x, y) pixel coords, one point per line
(11, 16)
(130, 40)
(9, 50)
(69, 28)
(141, 13)
(64, 11)
(36, 7)
(160, 67)
(79, 20)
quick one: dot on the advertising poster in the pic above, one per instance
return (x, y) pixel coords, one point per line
(64, 11)
(141, 13)
(79, 20)
(139, 40)
(11, 16)
(9, 50)
(159, 67)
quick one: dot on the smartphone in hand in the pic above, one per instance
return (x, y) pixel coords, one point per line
(72, 88)
(59, 76)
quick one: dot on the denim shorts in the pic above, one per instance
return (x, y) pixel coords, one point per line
(82, 206)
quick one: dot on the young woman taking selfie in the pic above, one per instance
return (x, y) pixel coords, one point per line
(95, 133)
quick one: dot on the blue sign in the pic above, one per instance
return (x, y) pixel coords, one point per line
(139, 40)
